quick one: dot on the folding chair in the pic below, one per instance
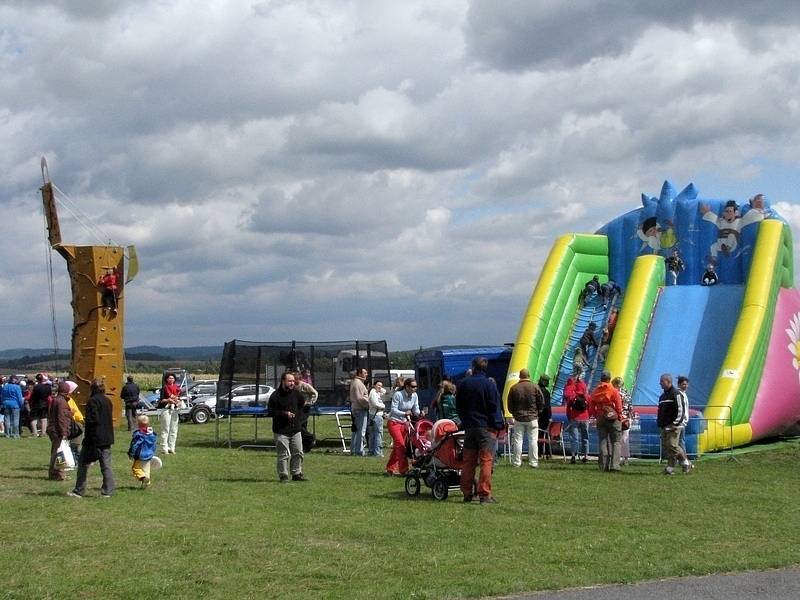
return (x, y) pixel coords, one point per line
(553, 435)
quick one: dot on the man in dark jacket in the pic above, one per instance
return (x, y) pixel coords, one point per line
(588, 340)
(286, 408)
(591, 288)
(479, 408)
(525, 402)
(670, 419)
(98, 437)
(547, 412)
(130, 395)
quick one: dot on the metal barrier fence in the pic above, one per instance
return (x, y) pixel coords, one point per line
(644, 436)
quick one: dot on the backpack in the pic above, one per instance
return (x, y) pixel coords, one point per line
(579, 404)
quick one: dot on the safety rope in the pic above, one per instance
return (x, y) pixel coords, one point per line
(63, 200)
(83, 220)
(48, 251)
(99, 235)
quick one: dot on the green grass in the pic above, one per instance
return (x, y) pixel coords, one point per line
(216, 524)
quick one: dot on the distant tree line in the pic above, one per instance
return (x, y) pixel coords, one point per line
(152, 362)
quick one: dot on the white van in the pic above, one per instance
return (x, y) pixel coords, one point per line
(404, 373)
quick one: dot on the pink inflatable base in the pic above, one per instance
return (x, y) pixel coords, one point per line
(777, 403)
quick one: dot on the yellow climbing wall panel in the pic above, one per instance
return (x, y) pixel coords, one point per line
(98, 334)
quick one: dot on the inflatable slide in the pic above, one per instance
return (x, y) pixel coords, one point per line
(737, 340)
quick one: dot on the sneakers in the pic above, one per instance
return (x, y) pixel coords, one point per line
(284, 479)
(488, 500)
(299, 477)
(105, 495)
(687, 468)
(584, 460)
(534, 465)
(145, 482)
(467, 499)
(668, 471)
(572, 461)
(74, 494)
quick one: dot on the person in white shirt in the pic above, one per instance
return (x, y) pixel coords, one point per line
(376, 408)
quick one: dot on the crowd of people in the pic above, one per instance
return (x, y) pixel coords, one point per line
(79, 439)
(474, 405)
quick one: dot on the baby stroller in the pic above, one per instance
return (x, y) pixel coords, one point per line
(418, 440)
(440, 465)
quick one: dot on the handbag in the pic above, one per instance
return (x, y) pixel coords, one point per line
(75, 430)
(64, 457)
(626, 424)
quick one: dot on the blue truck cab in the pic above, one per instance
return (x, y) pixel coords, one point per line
(432, 366)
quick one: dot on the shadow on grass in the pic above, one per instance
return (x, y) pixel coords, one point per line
(31, 476)
(375, 474)
(241, 480)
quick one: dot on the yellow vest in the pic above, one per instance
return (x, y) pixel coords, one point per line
(77, 415)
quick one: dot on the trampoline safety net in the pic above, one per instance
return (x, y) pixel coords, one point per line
(331, 365)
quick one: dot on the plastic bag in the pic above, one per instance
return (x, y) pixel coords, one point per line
(64, 456)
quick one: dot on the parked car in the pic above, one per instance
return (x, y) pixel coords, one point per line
(202, 387)
(242, 396)
(209, 387)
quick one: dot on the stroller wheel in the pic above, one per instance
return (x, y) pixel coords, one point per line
(412, 485)
(440, 489)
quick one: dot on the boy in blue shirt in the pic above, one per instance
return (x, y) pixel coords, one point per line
(142, 450)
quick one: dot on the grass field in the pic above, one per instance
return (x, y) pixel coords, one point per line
(216, 524)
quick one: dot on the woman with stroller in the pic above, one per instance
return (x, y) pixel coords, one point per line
(405, 405)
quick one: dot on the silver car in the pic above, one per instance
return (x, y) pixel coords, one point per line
(242, 396)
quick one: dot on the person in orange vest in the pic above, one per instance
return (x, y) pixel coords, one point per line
(605, 405)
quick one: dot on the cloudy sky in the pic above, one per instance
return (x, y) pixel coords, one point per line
(327, 170)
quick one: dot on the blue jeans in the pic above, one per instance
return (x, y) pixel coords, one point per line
(579, 434)
(360, 432)
(12, 422)
(376, 435)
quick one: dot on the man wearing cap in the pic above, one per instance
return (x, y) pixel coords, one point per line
(605, 405)
(525, 402)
